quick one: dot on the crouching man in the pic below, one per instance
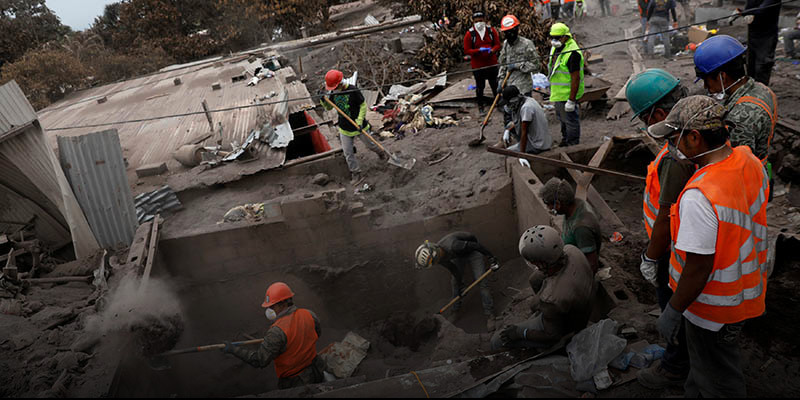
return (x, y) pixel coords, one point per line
(564, 295)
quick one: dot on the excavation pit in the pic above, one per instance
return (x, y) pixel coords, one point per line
(348, 262)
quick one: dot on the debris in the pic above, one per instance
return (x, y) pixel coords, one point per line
(189, 155)
(603, 273)
(321, 179)
(155, 202)
(602, 380)
(342, 358)
(370, 20)
(151, 169)
(177, 81)
(766, 364)
(279, 137)
(616, 237)
(216, 86)
(386, 134)
(364, 189)
(253, 81)
(444, 157)
(250, 212)
(593, 348)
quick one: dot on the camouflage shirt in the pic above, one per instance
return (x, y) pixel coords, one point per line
(753, 122)
(522, 53)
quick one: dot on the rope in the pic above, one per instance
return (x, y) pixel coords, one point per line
(420, 383)
(409, 81)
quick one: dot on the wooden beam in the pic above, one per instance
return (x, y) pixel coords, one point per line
(600, 155)
(151, 252)
(62, 279)
(566, 164)
(596, 200)
(789, 126)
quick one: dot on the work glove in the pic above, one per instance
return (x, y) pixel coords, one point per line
(487, 50)
(511, 334)
(228, 349)
(493, 264)
(648, 267)
(506, 136)
(524, 162)
(748, 19)
(669, 324)
(570, 106)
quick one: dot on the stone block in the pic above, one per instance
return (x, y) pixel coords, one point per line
(216, 86)
(151, 169)
(177, 81)
(102, 100)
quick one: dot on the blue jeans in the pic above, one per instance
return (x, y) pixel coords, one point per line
(570, 124)
(788, 42)
(568, 8)
(658, 24)
(474, 261)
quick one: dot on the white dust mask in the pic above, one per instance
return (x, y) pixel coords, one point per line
(271, 314)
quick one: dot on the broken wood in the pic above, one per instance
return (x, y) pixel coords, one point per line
(789, 126)
(582, 184)
(62, 279)
(449, 153)
(566, 164)
(151, 252)
(208, 115)
(596, 200)
(13, 253)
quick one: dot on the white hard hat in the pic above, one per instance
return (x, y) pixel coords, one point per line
(426, 255)
(541, 243)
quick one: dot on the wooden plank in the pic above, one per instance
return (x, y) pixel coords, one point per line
(598, 158)
(459, 91)
(789, 126)
(596, 200)
(566, 164)
(14, 253)
(62, 279)
(151, 252)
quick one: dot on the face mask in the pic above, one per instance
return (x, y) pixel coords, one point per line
(556, 43)
(271, 314)
(480, 26)
(721, 95)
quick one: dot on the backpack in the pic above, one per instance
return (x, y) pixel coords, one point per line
(475, 34)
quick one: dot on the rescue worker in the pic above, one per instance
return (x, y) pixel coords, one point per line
(291, 341)
(546, 10)
(528, 122)
(762, 36)
(565, 72)
(752, 106)
(457, 252)
(518, 56)
(350, 100)
(481, 44)
(651, 95)
(658, 12)
(563, 300)
(605, 7)
(718, 267)
(790, 37)
(568, 8)
(643, 7)
(581, 227)
(555, 8)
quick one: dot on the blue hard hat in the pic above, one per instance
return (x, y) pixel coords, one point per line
(715, 52)
(647, 88)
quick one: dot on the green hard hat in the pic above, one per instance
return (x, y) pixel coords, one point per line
(648, 87)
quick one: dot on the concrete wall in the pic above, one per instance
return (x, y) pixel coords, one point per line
(340, 260)
(531, 211)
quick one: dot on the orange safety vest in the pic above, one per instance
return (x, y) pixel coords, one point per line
(543, 2)
(737, 189)
(568, 1)
(301, 343)
(773, 115)
(652, 191)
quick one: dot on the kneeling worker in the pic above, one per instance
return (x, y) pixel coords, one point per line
(291, 341)
(565, 295)
(456, 252)
(528, 122)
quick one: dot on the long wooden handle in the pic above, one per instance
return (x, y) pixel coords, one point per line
(464, 293)
(347, 117)
(209, 347)
(496, 97)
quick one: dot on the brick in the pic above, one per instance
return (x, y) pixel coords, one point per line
(177, 81)
(102, 100)
(151, 169)
(216, 86)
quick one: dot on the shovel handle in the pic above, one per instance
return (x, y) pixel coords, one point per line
(199, 349)
(464, 293)
(364, 131)
(496, 97)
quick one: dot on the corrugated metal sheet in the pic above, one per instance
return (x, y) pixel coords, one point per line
(156, 95)
(148, 205)
(95, 169)
(15, 111)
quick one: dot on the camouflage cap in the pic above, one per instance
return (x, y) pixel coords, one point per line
(692, 113)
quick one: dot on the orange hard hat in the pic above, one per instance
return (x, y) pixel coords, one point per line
(508, 22)
(692, 46)
(333, 78)
(276, 293)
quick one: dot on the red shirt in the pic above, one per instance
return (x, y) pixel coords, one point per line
(481, 59)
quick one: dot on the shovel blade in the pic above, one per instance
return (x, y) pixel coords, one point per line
(397, 162)
(158, 363)
(476, 142)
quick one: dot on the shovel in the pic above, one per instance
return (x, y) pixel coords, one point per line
(463, 294)
(479, 140)
(159, 362)
(393, 159)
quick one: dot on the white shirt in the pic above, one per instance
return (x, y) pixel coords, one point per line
(697, 234)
